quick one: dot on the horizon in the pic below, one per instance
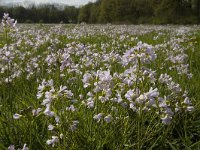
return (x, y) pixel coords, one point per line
(39, 2)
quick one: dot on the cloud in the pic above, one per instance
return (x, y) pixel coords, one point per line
(68, 2)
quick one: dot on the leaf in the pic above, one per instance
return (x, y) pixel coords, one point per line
(154, 144)
(195, 145)
(172, 147)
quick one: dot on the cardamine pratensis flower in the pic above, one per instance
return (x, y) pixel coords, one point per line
(8, 21)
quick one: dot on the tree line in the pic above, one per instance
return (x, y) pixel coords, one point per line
(42, 14)
(113, 11)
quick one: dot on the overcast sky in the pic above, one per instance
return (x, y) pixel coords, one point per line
(68, 2)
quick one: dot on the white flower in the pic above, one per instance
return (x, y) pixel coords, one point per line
(42, 86)
(7, 21)
(81, 96)
(71, 108)
(68, 93)
(162, 102)
(142, 98)
(130, 95)
(98, 117)
(17, 116)
(187, 101)
(49, 96)
(57, 119)
(48, 111)
(166, 120)
(152, 93)
(108, 118)
(61, 136)
(46, 101)
(105, 76)
(11, 147)
(35, 112)
(25, 147)
(49, 142)
(169, 112)
(74, 126)
(90, 103)
(190, 108)
(39, 95)
(132, 106)
(62, 88)
(6, 15)
(53, 141)
(87, 77)
(119, 97)
(50, 83)
(50, 127)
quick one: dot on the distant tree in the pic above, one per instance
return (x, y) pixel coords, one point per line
(94, 13)
(2, 10)
(107, 11)
(33, 14)
(112, 11)
(20, 13)
(84, 13)
(71, 14)
(164, 10)
(196, 7)
(125, 11)
(43, 12)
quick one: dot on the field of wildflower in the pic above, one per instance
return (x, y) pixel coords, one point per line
(105, 87)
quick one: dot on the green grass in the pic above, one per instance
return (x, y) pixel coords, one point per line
(128, 129)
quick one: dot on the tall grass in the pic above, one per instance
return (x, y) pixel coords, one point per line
(100, 87)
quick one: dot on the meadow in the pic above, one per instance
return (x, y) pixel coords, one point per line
(102, 87)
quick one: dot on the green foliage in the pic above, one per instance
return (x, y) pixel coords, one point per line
(146, 11)
(84, 13)
(47, 13)
(114, 11)
(28, 21)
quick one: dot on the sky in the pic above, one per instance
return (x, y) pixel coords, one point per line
(67, 2)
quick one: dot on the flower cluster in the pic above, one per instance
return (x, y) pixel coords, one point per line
(86, 85)
(8, 22)
(49, 94)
